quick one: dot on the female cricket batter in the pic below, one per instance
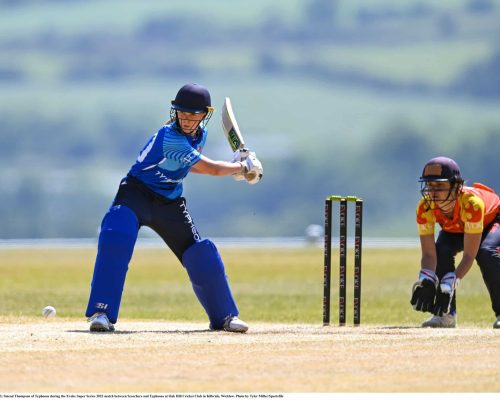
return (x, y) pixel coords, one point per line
(151, 195)
(470, 222)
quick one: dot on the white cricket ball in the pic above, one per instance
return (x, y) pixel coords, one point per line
(49, 312)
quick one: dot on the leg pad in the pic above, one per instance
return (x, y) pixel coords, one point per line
(206, 272)
(117, 239)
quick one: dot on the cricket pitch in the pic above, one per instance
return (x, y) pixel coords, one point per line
(63, 356)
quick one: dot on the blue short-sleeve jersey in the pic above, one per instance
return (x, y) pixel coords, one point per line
(167, 158)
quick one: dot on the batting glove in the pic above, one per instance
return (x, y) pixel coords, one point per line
(444, 295)
(424, 291)
(253, 169)
(240, 155)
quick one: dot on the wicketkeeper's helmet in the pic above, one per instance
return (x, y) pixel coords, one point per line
(440, 169)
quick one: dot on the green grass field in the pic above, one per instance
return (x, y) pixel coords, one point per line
(270, 285)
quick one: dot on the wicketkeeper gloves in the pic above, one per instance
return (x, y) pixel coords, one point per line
(428, 295)
(444, 295)
(424, 291)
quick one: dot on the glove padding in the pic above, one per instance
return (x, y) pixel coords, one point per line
(424, 291)
(251, 169)
(445, 293)
(240, 155)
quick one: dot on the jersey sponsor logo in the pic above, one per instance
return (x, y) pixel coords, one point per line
(164, 179)
(473, 227)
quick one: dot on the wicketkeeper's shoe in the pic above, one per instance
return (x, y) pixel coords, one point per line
(99, 322)
(446, 321)
(496, 324)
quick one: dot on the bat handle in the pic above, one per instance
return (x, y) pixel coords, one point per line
(241, 153)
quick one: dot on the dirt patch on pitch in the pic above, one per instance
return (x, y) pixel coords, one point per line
(62, 356)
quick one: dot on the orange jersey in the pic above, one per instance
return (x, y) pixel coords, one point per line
(475, 208)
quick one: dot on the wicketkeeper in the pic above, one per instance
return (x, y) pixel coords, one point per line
(470, 222)
(151, 195)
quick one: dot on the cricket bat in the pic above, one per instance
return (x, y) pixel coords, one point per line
(230, 127)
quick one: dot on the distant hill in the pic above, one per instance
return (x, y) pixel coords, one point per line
(344, 97)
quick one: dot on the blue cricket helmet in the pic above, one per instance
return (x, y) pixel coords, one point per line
(193, 98)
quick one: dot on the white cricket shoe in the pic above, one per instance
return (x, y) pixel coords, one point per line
(234, 324)
(496, 324)
(99, 322)
(446, 321)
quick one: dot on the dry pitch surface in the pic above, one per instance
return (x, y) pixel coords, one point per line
(62, 356)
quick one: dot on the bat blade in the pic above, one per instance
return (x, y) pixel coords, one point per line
(230, 126)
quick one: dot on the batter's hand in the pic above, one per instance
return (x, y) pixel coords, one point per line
(253, 170)
(240, 156)
(445, 293)
(251, 167)
(424, 291)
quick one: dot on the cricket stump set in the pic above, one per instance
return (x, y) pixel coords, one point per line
(358, 232)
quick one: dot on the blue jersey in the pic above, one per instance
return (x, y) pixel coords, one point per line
(166, 160)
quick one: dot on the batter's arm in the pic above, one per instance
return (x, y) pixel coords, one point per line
(208, 166)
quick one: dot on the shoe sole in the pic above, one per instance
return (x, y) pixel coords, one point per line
(100, 328)
(438, 326)
(237, 330)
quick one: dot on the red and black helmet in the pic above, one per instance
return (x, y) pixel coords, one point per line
(441, 169)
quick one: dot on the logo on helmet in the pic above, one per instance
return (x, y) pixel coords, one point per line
(433, 169)
(441, 169)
